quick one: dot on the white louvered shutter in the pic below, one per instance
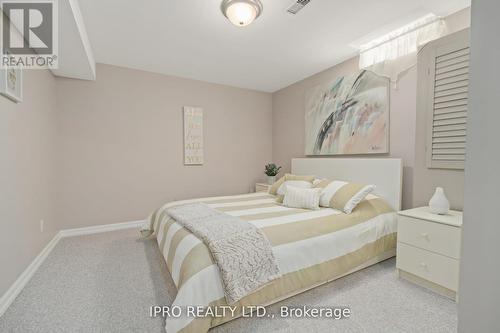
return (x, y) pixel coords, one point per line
(447, 116)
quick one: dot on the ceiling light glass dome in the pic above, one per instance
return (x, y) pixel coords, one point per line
(241, 12)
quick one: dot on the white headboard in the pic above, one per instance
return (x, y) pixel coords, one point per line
(385, 173)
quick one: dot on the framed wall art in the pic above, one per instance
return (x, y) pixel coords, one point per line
(193, 135)
(11, 84)
(348, 116)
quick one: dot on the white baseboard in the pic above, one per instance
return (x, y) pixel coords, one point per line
(11, 294)
(100, 228)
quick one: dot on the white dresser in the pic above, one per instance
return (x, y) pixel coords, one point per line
(428, 250)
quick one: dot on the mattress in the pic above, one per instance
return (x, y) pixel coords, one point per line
(310, 246)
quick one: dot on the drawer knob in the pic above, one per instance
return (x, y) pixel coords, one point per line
(423, 265)
(425, 235)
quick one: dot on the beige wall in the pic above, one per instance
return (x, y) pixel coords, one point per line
(120, 144)
(26, 174)
(289, 122)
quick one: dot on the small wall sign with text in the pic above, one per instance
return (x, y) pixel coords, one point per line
(193, 135)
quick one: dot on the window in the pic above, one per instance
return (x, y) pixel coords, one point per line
(447, 101)
(396, 52)
(402, 41)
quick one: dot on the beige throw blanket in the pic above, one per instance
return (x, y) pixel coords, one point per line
(242, 253)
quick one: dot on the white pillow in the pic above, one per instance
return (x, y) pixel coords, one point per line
(295, 183)
(296, 197)
(347, 199)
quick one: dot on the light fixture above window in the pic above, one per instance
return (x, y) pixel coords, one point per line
(241, 12)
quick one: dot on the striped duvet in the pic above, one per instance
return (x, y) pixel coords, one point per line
(311, 247)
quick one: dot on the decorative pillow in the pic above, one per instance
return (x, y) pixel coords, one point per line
(342, 195)
(279, 188)
(295, 183)
(316, 181)
(296, 197)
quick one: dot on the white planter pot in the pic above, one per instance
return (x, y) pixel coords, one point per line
(271, 180)
(439, 204)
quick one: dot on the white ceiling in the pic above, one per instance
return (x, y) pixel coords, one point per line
(192, 39)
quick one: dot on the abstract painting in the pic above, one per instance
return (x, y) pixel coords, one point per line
(348, 116)
(193, 135)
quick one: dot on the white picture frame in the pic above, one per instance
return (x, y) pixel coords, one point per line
(193, 135)
(11, 84)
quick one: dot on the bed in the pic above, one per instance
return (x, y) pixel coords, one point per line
(311, 247)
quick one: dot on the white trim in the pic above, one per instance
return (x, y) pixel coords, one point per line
(16, 288)
(11, 294)
(76, 59)
(80, 25)
(100, 228)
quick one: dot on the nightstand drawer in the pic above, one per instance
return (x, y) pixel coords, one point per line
(435, 237)
(427, 265)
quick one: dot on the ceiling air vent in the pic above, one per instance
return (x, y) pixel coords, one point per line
(297, 6)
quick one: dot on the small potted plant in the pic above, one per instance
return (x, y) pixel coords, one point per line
(271, 170)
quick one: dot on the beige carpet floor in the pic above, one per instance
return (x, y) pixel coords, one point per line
(107, 282)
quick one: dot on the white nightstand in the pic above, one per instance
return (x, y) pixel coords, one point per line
(428, 250)
(262, 187)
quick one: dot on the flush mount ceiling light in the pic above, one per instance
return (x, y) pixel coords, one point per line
(241, 12)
